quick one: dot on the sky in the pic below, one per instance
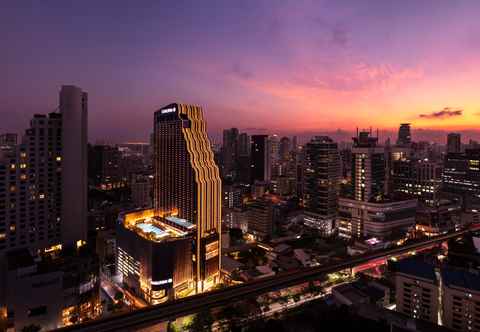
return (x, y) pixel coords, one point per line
(305, 67)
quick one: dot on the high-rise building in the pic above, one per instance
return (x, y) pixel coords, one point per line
(274, 146)
(229, 151)
(369, 212)
(8, 141)
(261, 162)
(141, 187)
(43, 181)
(244, 144)
(284, 149)
(368, 167)
(419, 178)
(404, 135)
(74, 110)
(188, 185)
(461, 175)
(294, 144)
(454, 143)
(105, 167)
(260, 218)
(321, 183)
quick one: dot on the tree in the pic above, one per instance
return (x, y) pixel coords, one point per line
(118, 296)
(202, 321)
(171, 327)
(236, 235)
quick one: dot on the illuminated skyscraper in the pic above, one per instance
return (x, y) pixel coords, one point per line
(188, 185)
(321, 183)
(368, 167)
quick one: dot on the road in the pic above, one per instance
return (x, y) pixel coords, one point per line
(152, 315)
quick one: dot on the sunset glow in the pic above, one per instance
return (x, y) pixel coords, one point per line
(296, 66)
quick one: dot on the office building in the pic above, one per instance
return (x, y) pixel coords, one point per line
(188, 185)
(369, 211)
(48, 290)
(8, 141)
(386, 219)
(141, 188)
(454, 143)
(244, 145)
(368, 167)
(260, 218)
(230, 151)
(260, 158)
(441, 217)
(105, 167)
(154, 254)
(417, 290)
(232, 196)
(273, 147)
(461, 175)
(404, 135)
(417, 178)
(43, 181)
(321, 183)
(284, 149)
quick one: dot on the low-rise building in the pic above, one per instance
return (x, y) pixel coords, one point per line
(382, 219)
(50, 291)
(154, 255)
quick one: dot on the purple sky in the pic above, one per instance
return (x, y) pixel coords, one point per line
(286, 66)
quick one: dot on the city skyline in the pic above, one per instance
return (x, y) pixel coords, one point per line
(339, 64)
(257, 165)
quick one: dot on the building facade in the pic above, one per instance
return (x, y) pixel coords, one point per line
(417, 290)
(368, 167)
(43, 180)
(260, 158)
(321, 183)
(386, 219)
(417, 178)
(188, 185)
(154, 255)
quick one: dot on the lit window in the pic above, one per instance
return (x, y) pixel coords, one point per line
(59, 158)
(23, 165)
(41, 196)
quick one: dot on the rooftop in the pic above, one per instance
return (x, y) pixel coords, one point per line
(180, 222)
(150, 228)
(415, 267)
(461, 278)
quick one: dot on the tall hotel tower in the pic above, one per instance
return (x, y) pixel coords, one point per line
(43, 179)
(188, 185)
